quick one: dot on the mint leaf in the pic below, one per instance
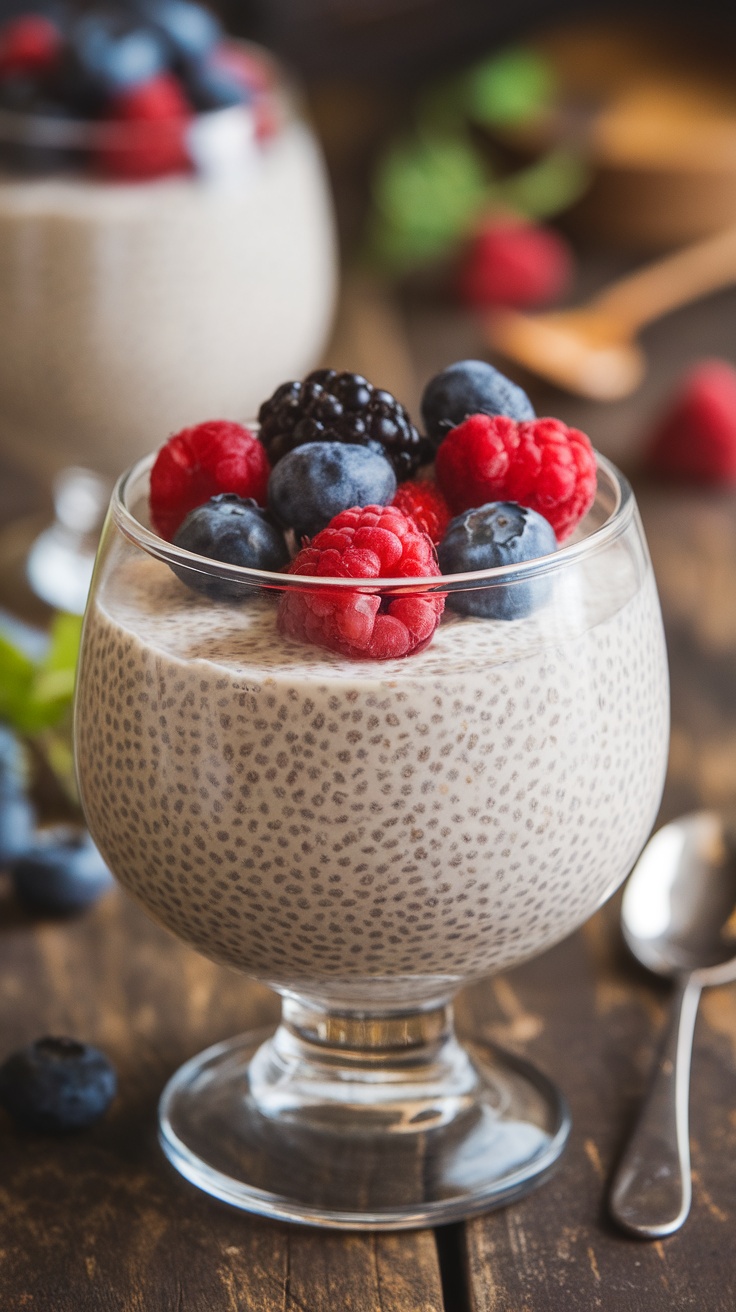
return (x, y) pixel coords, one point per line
(37, 695)
(427, 191)
(16, 679)
(547, 187)
(509, 88)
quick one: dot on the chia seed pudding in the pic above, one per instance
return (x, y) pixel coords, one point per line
(371, 830)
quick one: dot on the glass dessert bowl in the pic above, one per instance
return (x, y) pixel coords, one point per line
(365, 837)
(174, 255)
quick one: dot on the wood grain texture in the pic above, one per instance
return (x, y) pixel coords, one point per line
(99, 1222)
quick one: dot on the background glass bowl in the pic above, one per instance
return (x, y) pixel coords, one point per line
(364, 837)
(128, 307)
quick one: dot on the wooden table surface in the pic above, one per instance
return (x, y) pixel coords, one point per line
(99, 1222)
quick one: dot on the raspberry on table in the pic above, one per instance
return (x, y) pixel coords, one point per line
(515, 264)
(371, 542)
(541, 464)
(695, 438)
(340, 407)
(424, 503)
(198, 463)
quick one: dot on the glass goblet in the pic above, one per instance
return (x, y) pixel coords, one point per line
(365, 837)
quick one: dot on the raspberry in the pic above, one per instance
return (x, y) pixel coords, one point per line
(29, 44)
(370, 542)
(146, 136)
(424, 503)
(696, 436)
(516, 264)
(198, 463)
(541, 464)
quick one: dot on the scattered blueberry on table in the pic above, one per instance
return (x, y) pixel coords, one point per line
(56, 1085)
(60, 871)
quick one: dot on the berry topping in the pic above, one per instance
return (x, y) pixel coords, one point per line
(501, 533)
(189, 30)
(470, 387)
(62, 871)
(56, 1085)
(364, 543)
(238, 532)
(28, 44)
(340, 407)
(696, 436)
(199, 462)
(542, 464)
(111, 50)
(147, 131)
(210, 85)
(315, 482)
(514, 263)
(424, 503)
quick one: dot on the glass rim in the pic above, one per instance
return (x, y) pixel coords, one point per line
(82, 133)
(612, 528)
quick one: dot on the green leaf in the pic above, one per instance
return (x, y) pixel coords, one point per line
(65, 637)
(547, 187)
(427, 191)
(35, 696)
(16, 678)
(509, 88)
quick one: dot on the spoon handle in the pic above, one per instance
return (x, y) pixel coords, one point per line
(665, 285)
(652, 1189)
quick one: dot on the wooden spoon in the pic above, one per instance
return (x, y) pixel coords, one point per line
(592, 350)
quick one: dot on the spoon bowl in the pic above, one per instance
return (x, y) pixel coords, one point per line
(678, 917)
(679, 908)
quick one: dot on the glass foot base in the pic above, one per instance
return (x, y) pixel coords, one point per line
(418, 1141)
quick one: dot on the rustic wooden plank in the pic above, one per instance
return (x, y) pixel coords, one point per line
(99, 1221)
(597, 1019)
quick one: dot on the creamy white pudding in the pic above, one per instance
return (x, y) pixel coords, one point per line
(131, 309)
(379, 829)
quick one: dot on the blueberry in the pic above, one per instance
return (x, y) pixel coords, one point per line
(56, 1085)
(313, 483)
(470, 387)
(209, 87)
(109, 51)
(61, 872)
(189, 30)
(500, 533)
(16, 826)
(235, 531)
(12, 772)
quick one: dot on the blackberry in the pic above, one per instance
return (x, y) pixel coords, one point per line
(339, 407)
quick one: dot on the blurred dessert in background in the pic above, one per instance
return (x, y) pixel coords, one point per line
(166, 233)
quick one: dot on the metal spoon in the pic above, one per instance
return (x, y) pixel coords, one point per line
(678, 918)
